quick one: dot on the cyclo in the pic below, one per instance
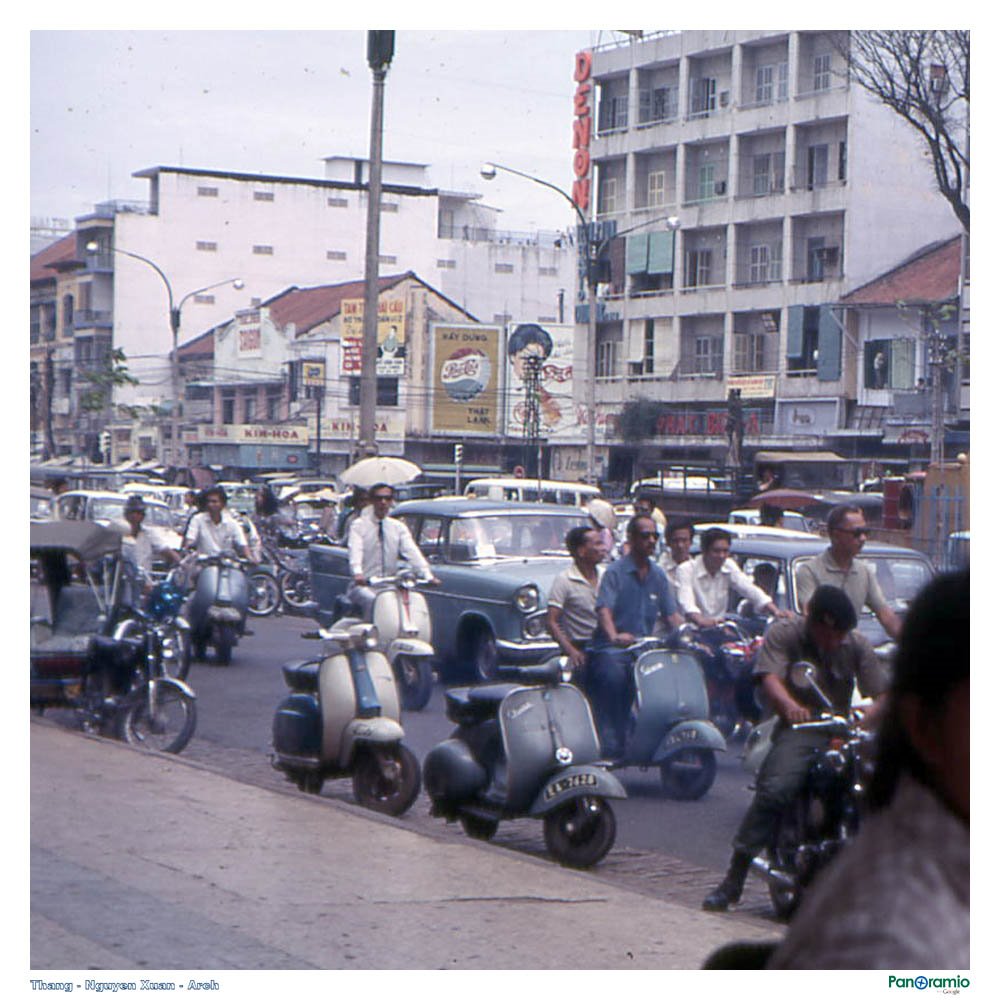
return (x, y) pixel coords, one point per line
(92, 653)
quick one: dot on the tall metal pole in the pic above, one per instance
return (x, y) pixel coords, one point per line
(380, 51)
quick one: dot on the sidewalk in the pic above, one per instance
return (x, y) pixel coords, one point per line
(141, 861)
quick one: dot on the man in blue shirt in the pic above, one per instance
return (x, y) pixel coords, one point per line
(634, 594)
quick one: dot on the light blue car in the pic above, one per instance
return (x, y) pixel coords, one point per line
(496, 561)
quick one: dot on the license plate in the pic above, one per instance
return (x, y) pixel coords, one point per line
(570, 781)
(684, 736)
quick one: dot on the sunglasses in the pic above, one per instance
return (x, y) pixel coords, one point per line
(856, 532)
(647, 534)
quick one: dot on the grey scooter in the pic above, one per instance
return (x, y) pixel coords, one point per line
(526, 748)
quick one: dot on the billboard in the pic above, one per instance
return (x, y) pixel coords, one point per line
(466, 379)
(554, 344)
(391, 357)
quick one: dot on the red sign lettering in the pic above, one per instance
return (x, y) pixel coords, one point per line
(582, 125)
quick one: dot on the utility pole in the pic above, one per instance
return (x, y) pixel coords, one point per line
(380, 51)
(532, 414)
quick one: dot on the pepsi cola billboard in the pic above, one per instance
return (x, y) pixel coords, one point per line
(466, 365)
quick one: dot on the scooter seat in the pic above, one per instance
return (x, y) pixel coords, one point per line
(301, 675)
(475, 704)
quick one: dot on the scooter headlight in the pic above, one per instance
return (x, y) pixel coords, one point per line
(526, 598)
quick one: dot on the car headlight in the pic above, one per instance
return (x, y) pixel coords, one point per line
(534, 627)
(526, 598)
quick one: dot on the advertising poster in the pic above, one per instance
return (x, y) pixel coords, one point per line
(391, 357)
(554, 344)
(466, 379)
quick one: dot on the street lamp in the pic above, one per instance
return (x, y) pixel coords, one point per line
(595, 247)
(175, 326)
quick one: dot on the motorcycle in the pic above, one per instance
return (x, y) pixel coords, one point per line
(527, 747)
(400, 615)
(341, 718)
(827, 812)
(668, 724)
(727, 652)
(217, 609)
(115, 684)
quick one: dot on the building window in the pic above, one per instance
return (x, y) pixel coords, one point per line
(387, 258)
(664, 103)
(548, 272)
(842, 161)
(337, 202)
(263, 249)
(263, 196)
(817, 161)
(764, 93)
(446, 265)
(273, 404)
(608, 200)
(613, 113)
(607, 358)
(821, 72)
(703, 96)
(707, 355)
(502, 318)
(890, 364)
(206, 300)
(503, 268)
(336, 255)
(656, 188)
(748, 352)
(821, 260)
(548, 319)
(208, 245)
(648, 346)
(249, 409)
(783, 81)
(229, 406)
(706, 181)
(765, 263)
(388, 206)
(208, 192)
(697, 268)
(67, 313)
(386, 392)
(769, 173)
(255, 302)
(804, 362)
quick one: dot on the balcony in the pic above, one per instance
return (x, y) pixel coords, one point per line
(87, 319)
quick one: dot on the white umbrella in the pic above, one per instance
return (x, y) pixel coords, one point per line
(380, 469)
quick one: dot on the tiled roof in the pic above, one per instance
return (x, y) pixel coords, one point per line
(930, 275)
(308, 307)
(43, 263)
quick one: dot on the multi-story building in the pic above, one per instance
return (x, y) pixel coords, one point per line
(204, 228)
(791, 187)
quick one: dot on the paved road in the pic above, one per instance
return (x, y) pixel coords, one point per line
(673, 850)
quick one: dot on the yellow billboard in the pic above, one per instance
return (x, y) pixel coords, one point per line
(390, 359)
(466, 380)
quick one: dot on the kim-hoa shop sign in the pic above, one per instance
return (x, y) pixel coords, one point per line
(253, 434)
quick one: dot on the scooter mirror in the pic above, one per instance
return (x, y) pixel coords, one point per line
(802, 675)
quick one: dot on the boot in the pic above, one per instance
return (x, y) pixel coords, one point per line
(729, 890)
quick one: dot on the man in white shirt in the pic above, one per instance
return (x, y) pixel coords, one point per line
(704, 583)
(374, 544)
(214, 532)
(680, 534)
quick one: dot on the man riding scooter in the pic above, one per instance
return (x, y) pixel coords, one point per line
(634, 593)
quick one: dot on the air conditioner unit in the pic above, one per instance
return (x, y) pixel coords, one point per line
(723, 98)
(720, 187)
(635, 368)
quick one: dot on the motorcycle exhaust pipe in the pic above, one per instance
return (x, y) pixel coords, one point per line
(773, 876)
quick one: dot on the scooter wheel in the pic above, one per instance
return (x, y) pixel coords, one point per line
(386, 779)
(688, 775)
(225, 639)
(579, 833)
(478, 828)
(415, 680)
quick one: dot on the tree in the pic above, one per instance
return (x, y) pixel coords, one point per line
(102, 380)
(923, 76)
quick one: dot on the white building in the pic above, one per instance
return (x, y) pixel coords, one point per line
(204, 228)
(791, 186)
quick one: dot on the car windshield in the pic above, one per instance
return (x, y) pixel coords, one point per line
(107, 509)
(900, 577)
(499, 535)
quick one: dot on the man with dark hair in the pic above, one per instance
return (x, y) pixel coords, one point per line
(680, 535)
(839, 566)
(572, 612)
(634, 594)
(214, 532)
(705, 582)
(841, 655)
(898, 896)
(771, 516)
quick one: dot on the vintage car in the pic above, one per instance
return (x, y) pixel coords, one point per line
(106, 508)
(496, 561)
(901, 573)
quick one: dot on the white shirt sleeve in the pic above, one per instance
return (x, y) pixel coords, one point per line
(685, 588)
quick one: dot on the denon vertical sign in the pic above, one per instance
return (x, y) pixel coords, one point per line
(581, 131)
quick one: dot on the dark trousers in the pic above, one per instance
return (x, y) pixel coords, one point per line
(779, 780)
(610, 693)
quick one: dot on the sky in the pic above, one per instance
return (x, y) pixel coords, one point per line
(106, 103)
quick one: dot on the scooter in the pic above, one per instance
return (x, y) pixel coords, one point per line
(526, 748)
(341, 718)
(668, 724)
(217, 609)
(404, 632)
(827, 811)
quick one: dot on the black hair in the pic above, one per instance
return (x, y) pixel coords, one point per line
(380, 486)
(770, 515)
(838, 516)
(576, 536)
(267, 502)
(680, 524)
(932, 662)
(632, 529)
(713, 535)
(529, 333)
(830, 606)
(206, 493)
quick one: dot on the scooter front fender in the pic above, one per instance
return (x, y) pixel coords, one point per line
(573, 782)
(692, 734)
(376, 730)
(409, 647)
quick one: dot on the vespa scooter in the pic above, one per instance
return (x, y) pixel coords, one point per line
(526, 748)
(400, 615)
(217, 609)
(341, 718)
(668, 724)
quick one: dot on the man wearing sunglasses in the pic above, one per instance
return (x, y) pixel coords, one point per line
(839, 566)
(633, 597)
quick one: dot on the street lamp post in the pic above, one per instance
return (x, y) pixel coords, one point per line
(175, 326)
(595, 247)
